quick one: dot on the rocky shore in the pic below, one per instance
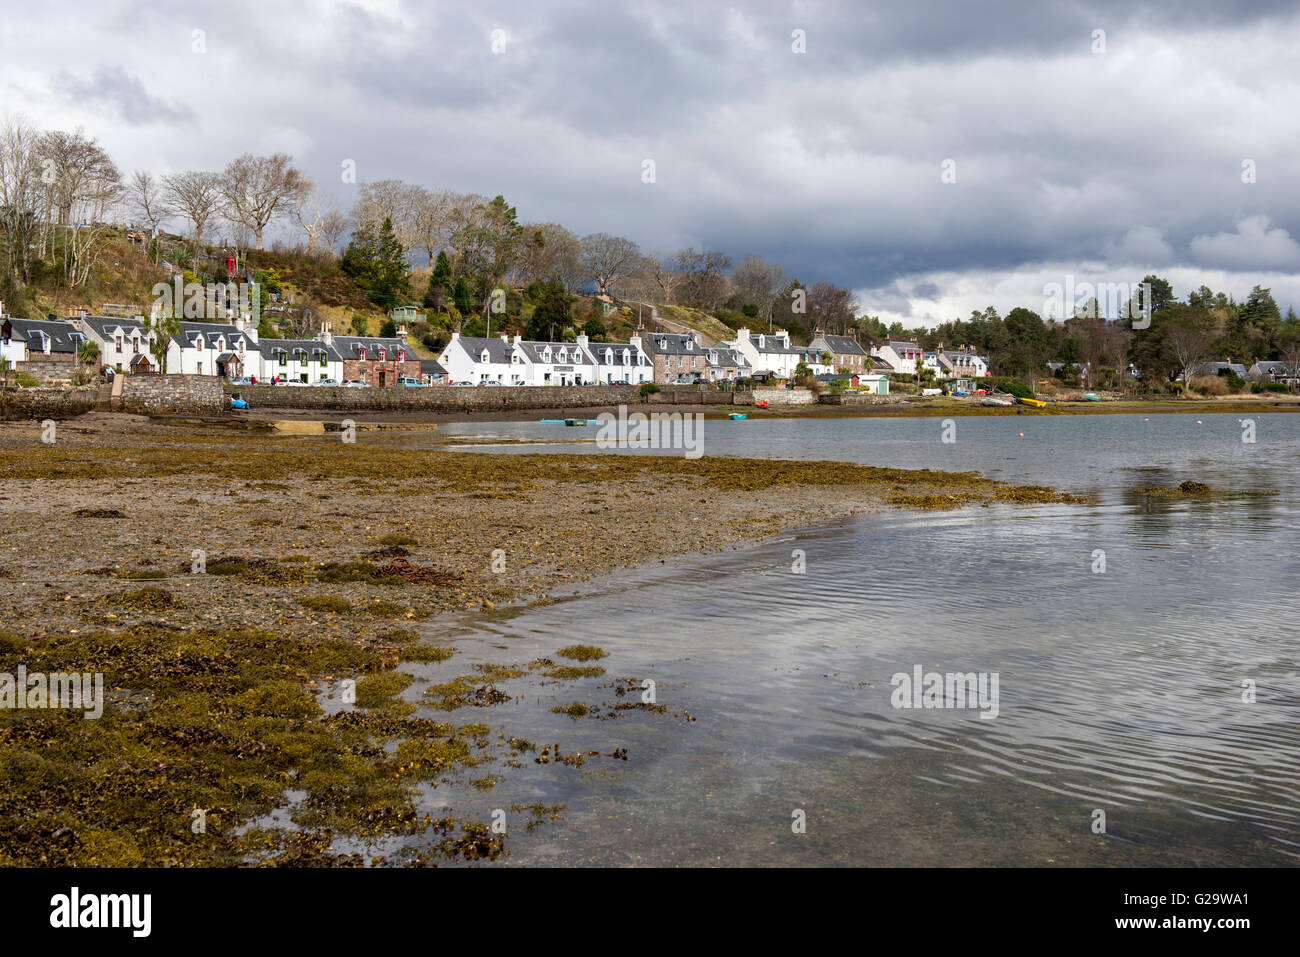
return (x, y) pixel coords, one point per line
(225, 582)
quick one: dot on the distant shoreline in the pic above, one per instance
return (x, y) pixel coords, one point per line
(927, 409)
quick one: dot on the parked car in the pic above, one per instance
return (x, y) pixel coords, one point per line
(493, 382)
(297, 382)
(410, 382)
(355, 384)
(331, 382)
(462, 383)
(242, 380)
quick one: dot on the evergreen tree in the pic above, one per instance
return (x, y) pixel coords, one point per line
(439, 283)
(550, 315)
(377, 261)
(462, 298)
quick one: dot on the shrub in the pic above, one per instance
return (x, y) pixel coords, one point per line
(649, 388)
(1209, 384)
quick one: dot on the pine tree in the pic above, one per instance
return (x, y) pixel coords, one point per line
(464, 303)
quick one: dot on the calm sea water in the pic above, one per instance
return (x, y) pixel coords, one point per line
(1120, 692)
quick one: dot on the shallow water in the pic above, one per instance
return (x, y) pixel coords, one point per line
(1119, 690)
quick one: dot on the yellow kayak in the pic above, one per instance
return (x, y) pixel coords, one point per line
(1036, 403)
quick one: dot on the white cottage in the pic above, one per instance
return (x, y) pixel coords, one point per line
(470, 359)
(214, 348)
(620, 363)
(555, 363)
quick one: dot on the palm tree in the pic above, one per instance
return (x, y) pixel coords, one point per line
(87, 352)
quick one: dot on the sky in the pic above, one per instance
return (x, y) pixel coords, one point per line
(934, 158)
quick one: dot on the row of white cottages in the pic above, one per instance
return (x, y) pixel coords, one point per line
(229, 350)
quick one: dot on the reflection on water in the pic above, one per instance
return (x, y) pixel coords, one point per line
(1120, 691)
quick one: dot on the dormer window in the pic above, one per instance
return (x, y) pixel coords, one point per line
(484, 356)
(281, 356)
(399, 355)
(198, 344)
(361, 351)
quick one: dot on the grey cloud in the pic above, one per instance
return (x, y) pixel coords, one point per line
(122, 92)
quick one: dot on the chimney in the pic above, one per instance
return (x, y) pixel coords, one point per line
(455, 334)
(582, 340)
(518, 339)
(505, 338)
(327, 333)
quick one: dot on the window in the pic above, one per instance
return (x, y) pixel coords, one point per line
(324, 360)
(282, 356)
(303, 361)
(117, 343)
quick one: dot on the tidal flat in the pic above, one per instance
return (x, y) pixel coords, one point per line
(263, 610)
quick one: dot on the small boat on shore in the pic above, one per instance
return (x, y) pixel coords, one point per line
(1090, 397)
(737, 416)
(997, 400)
(578, 421)
(1035, 403)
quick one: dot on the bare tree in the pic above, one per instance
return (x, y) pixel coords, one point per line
(20, 193)
(549, 251)
(196, 195)
(830, 308)
(431, 220)
(760, 284)
(703, 276)
(145, 193)
(257, 189)
(317, 215)
(607, 259)
(332, 229)
(661, 271)
(84, 185)
(1189, 348)
(392, 199)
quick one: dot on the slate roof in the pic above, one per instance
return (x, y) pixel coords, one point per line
(295, 347)
(63, 337)
(498, 351)
(773, 345)
(106, 326)
(573, 353)
(671, 344)
(211, 332)
(431, 367)
(839, 346)
(625, 354)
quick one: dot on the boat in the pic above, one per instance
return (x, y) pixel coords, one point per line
(996, 400)
(1035, 403)
(1090, 397)
(551, 421)
(578, 421)
(737, 416)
